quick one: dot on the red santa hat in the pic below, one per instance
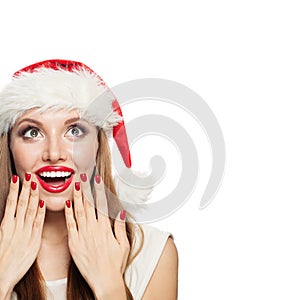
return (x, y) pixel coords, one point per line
(55, 84)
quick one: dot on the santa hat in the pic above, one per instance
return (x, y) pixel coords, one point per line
(55, 84)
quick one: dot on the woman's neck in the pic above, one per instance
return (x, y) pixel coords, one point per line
(55, 228)
(54, 256)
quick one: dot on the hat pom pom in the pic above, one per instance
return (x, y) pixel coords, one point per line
(133, 187)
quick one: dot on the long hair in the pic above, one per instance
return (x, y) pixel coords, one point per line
(32, 285)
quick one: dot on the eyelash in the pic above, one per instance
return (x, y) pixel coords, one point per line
(25, 130)
(28, 128)
(81, 128)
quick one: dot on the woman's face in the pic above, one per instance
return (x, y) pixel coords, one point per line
(55, 146)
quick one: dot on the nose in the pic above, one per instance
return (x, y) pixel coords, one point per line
(54, 150)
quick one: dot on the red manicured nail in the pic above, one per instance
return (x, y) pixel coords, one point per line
(123, 215)
(33, 185)
(42, 203)
(98, 178)
(27, 176)
(83, 177)
(77, 186)
(14, 178)
(68, 203)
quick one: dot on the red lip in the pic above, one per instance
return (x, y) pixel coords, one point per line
(54, 168)
(54, 188)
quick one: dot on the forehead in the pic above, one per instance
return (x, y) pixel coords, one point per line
(53, 116)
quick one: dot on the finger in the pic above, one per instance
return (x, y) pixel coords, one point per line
(32, 204)
(12, 198)
(38, 223)
(121, 237)
(23, 199)
(120, 229)
(70, 221)
(78, 207)
(101, 202)
(88, 199)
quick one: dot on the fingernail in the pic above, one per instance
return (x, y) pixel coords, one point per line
(27, 176)
(123, 215)
(83, 177)
(68, 203)
(14, 178)
(98, 178)
(77, 186)
(42, 203)
(33, 185)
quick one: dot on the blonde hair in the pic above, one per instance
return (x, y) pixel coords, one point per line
(32, 285)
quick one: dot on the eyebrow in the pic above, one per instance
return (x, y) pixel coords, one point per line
(72, 120)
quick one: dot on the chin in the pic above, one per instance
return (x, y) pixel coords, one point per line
(54, 206)
(56, 201)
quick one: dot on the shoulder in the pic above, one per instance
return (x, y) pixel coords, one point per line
(169, 255)
(164, 280)
(152, 268)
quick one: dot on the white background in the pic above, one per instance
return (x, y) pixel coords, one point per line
(243, 58)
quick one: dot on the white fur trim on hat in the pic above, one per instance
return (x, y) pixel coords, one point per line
(46, 88)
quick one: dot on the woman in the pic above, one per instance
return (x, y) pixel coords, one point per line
(56, 169)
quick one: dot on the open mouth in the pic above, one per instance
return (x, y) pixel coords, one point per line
(54, 180)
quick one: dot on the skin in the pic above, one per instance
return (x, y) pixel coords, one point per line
(55, 232)
(54, 143)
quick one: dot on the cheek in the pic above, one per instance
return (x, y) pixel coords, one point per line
(84, 156)
(24, 158)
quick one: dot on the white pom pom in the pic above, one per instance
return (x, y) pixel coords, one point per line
(133, 187)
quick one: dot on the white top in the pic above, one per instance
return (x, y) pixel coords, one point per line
(137, 275)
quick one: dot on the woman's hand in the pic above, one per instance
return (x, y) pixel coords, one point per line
(20, 232)
(99, 255)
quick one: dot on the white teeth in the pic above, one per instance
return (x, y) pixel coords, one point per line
(55, 174)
